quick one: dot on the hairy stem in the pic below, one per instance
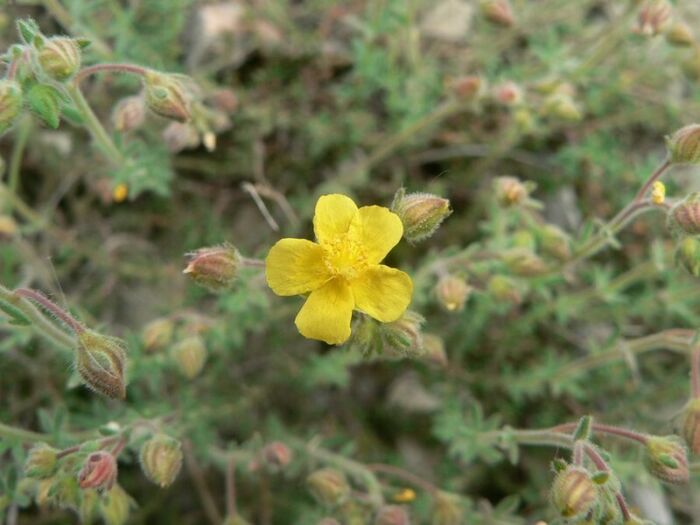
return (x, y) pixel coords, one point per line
(27, 436)
(404, 475)
(695, 372)
(114, 68)
(606, 429)
(52, 307)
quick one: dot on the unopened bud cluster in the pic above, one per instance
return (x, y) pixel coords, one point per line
(161, 459)
(214, 268)
(100, 361)
(99, 471)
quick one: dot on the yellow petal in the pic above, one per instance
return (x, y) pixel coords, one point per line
(382, 292)
(333, 216)
(326, 313)
(295, 266)
(378, 230)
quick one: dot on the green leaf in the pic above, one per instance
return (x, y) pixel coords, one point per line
(45, 102)
(27, 29)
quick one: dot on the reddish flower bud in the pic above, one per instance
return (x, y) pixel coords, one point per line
(684, 217)
(654, 16)
(452, 292)
(498, 12)
(129, 114)
(276, 455)
(99, 471)
(508, 94)
(510, 191)
(214, 268)
(224, 100)
(468, 87)
(392, 515)
(168, 95)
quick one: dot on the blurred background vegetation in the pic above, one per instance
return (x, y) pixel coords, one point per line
(357, 97)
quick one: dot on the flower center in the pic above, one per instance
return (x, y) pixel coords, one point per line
(344, 257)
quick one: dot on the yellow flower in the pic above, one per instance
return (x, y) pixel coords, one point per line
(658, 192)
(341, 270)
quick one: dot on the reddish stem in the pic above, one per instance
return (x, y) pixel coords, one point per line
(118, 68)
(606, 429)
(405, 475)
(650, 181)
(695, 372)
(579, 447)
(52, 307)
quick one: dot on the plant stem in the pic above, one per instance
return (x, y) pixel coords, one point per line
(93, 125)
(405, 475)
(42, 325)
(52, 307)
(116, 68)
(606, 429)
(695, 372)
(10, 432)
(23, 131)
(208, 503)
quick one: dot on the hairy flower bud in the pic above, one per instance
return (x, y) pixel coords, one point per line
(562, 106)
(510, 191)
(555, 242)
(129, 114)
(680, 35)
(684, 145)
(684, 217)
(190, 355)
(179, 136)
(468, 87)
(524, 262)
(503, 288)
(99, 471)
(10, 103)
(167, 95)
(59, 57)
(666, 458)
(690, 425)
(654, 16)
(41, 462)
(116, 505)
(573, 492)
(8, 227)
(420, 213)
(688, 255)
(214, 268)
(328, 486)
(276, 455)
(498, 11)
(100, 361)
(446, 510)
(161, 459)
(403, 337)
(158, 333)
(224, 100)
(508, 94)
(392, 515)
(452, 292)
(434, 348)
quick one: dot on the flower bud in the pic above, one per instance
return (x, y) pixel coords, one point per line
(41, 462)
(178, 136)
(167, 95)
(691, 64)
(161, 459)
(654, 16)
(224, 100)
(503, 288)
(434, 348)
(403, 337)
(524, 263)
(684, 145)
(328, 486)
(8, 227)
(10, 103)
(555, 242)
(666, 458)
(684, 217)
(468, 87)
(99, 471)
(688, 255)
(420, 213)
(508, 94)
(116, 506)
(214, 268)
(561, 106)
(498, 12)
(120, 193)
(100, 361)
(573, 492)
(510, 191)
(452, 292)
(190, 355)
(129, 114)
(59, 57)
(158, 333)
(690, 425)
(446, 510)
(680, 35)
(658, 192)
(392, 515)
(276, 455)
